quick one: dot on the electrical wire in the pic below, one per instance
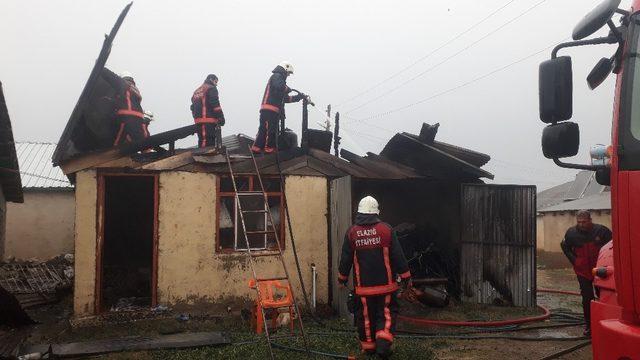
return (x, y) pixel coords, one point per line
(446, 59)
(479, 78)
(427, 55)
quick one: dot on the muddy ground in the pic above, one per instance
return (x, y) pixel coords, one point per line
(55, 328)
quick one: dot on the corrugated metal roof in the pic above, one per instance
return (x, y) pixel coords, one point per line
(601, 201)
(36, 169)
(584, 185)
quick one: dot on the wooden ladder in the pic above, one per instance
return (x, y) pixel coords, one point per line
(268, 229)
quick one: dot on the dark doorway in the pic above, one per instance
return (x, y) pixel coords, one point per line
(128, 248)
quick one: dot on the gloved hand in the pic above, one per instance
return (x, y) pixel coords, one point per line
(405, 284)
(343, 283)
(298, 97)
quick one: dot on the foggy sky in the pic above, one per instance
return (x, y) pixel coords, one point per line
(338, 48)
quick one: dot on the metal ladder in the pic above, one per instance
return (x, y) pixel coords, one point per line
(268, 229)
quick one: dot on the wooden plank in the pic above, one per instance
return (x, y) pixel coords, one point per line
(384, 160)
(340, 207)
(90, 160)
(390, 171)
(94, 159)
(325, 168)
(171, 162)
(123, 162)
(215, 159)
(175, 341)
(349, 168)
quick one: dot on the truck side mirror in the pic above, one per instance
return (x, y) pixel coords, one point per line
(603, 176)
(600, 72)
(560, 140)
(556, 90)
(595, 19)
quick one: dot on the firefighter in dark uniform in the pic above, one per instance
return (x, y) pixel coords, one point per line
(129, 113)
(276, 94)
(582, 245)
(207, 112)
(372, 248)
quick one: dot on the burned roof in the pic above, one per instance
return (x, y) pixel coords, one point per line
(9, 168)
(87, 129)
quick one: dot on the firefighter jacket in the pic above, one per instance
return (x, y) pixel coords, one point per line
(205, 105)
(276, 94)
(128, 99)
(371, 247)
(582, 248)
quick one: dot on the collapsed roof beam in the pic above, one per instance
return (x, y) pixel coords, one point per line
(94, 159)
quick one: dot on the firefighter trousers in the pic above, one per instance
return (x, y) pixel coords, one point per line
(266, 138)
(375, 317)
(130, 129)
(587, 293)
(207, 135)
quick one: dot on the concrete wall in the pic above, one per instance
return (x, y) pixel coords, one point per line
(556, 224)
(42, 227)
(85, 242)
(539, 232)
(189, 269)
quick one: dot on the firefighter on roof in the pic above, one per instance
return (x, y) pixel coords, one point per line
(129, 113)
(372, 249)
(207, 112)
(276, 94)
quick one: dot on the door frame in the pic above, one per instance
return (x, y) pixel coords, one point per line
(100, 212)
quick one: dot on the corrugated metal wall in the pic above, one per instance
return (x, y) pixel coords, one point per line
(498, 238)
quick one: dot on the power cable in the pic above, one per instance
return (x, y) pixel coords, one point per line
(482, 77)
(427, 55)
(447, 58)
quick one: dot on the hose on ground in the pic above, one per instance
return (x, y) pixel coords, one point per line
(566, 351)
(468, 337)
(422, 321)
(556, 291)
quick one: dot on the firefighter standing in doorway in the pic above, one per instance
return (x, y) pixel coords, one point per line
(207, 112)
(129, 113)
(372, 248)
(276, 94)
(582, 245)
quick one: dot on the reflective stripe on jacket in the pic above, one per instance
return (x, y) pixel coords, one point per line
(376, 256)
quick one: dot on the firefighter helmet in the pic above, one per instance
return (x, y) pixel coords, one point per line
(126, 75)
(287, 66)
(368, 205)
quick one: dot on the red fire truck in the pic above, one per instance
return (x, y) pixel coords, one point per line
(615, 315)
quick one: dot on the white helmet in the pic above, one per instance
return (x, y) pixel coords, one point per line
(148, 116)
(287, 66)
(126, 74)
(368, 205)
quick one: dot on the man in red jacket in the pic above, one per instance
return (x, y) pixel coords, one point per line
(582, 245)
(207, 112)
(372, 248)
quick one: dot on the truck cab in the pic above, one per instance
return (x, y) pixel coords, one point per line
(615, 314)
